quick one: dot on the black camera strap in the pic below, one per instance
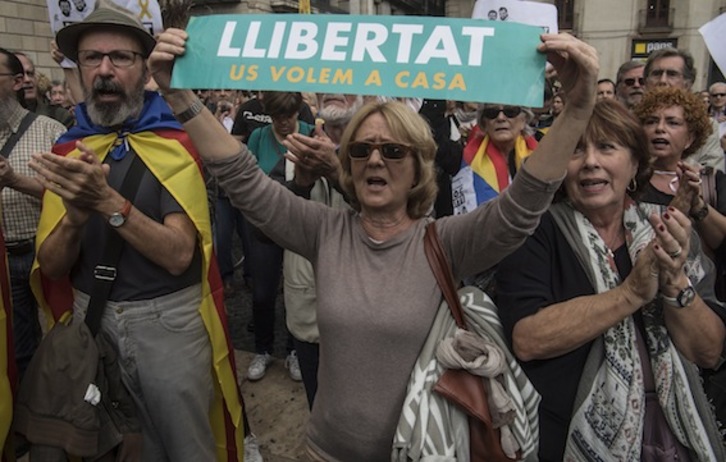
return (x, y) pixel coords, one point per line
(105, 271)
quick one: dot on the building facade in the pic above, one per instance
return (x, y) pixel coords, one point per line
(25, 26)
(372, 7)
(619, 29)
(622, 30)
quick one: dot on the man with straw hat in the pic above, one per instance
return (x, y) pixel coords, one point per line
(164, 312)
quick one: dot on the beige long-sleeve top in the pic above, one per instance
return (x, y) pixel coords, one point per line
(376, 301)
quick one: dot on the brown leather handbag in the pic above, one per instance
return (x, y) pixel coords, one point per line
(458, 385)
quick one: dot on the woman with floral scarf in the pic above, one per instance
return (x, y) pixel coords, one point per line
(613, 310)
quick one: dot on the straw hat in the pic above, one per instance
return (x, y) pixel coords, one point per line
(107, 16)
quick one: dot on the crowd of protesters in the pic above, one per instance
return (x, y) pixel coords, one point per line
(613, 194)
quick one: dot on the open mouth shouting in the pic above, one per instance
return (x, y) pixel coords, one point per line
(659, 144)
(107, 90)
(376, 182)
(593, 185)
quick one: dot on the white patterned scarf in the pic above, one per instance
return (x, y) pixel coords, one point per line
(607, 422)
(432, 429)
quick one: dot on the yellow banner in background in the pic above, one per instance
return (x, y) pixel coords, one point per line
(304, 7)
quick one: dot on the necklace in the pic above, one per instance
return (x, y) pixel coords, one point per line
(673, 183)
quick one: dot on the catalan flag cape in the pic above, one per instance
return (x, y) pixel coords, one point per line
(8, 372)
(159, 141)
(490, 171)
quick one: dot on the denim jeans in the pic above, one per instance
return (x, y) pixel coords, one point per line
(26, 328)
(166, 364)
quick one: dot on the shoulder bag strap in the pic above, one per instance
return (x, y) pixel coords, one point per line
(442, 271)
(104, 273)
(15, 137)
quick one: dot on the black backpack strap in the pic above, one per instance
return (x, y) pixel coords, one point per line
(104, 273)
(15, 137)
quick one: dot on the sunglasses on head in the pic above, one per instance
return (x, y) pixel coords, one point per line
(630, 82)
(492, 113)
(390, 151)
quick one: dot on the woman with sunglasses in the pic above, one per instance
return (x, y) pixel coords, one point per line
(377, 296)
(495, 151)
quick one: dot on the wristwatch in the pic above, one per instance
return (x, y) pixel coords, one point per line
(117, 219)
(684, 298)
(700, 214)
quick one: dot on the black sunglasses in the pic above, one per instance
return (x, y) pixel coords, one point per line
(718, 95)
(362, 150)
(630, 82)
(492, 113)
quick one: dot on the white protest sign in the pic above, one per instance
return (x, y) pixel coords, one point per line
(543, 15)
(65, 12)
(714, 34)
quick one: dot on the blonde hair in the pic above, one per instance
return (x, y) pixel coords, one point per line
(406, 127)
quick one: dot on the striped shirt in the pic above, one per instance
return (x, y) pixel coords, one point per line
(21, 211)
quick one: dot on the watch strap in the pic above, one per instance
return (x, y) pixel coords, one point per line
(700, 214)
(126, 209)
(677, 301)
(673, 301)
(191, 112)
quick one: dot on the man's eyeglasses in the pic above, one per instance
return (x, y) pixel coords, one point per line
(492, 113)
(670, 73)
(362, 150)
(119, 58)
(718, 95)
(631, 81)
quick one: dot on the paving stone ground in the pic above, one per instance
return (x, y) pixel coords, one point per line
(277, 410)
(276, 405)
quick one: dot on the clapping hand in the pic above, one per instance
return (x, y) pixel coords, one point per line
(689, 195)
(671, 247)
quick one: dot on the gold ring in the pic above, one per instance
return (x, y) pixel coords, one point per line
(676, 253)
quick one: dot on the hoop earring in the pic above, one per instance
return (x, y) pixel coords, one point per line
(633, 186)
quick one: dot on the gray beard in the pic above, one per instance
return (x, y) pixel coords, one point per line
(113, 114)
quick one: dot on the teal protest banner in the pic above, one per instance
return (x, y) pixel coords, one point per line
(403, 56)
